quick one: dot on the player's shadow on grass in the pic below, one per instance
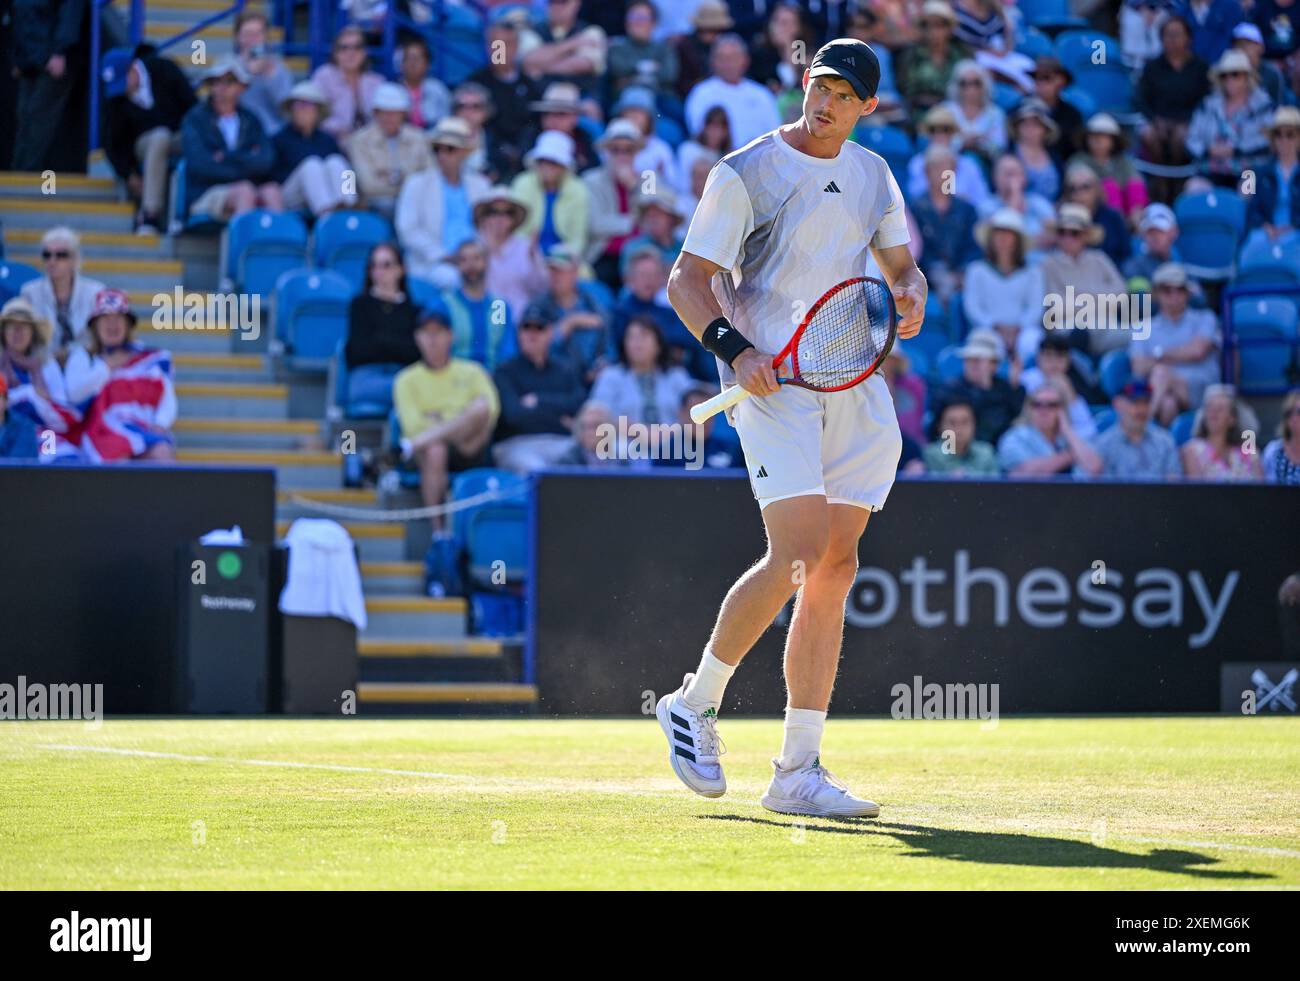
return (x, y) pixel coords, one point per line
(998, 848)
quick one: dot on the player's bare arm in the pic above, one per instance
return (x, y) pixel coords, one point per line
(908, 285)
(690, 292)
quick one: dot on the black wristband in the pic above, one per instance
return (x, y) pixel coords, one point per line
(724, 341)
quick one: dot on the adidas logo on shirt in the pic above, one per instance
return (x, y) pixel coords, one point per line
(832, 188)
(762, 472)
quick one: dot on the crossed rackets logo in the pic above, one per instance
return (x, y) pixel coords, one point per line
(1267, 693)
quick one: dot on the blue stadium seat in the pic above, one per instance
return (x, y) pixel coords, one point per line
(1263, 262)
(455, 37)
(422, 291)
(364, 409)
(407, 473)
(1098, 67)
(1007, 97)
(342, 240)
(1034, 43)
(1264, 355)
(1049, 14)
(1210, 226)
(311, 314)
(182, 219)
(471, 483)
(1181, 430)
(12, 277)
(1273, 311)
(261, 246)
(497, 533)
(1103, 416)
(891, 143)
(1081, 99)
(1115, 370)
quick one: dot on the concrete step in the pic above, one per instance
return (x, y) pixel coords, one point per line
(304, 470)
(377, 541)
(428, 697)
(258, 400)
(164, 24)
(401, 618)
(220, 340)
(63, 187)
(255, 434)
(94, 245)
(221, 367)
(156, 274)
(46, 212)
(392, 578)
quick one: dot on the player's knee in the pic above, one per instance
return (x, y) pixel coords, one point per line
(801, 559)
(838, 569)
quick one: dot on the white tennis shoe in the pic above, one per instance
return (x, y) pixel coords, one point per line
(693, 743)
(812, 790)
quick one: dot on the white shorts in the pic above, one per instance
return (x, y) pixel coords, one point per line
(844, 445)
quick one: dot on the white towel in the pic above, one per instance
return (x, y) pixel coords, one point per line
(324, 580)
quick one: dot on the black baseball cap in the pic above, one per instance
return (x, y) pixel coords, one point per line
(850, 59)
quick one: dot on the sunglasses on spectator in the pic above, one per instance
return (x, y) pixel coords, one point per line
(502, 210)
(1289, 134)
(943, 129)
(445, 148)
(927, 24)
(1070, 232)
(1052, 404)
(462, 106)
(1072, 188)
(1232, 74)
(533, 325)
(382, 264)
(48, 254)
(970, 83)
(621, 148)
(1166, 288)
(349, 46)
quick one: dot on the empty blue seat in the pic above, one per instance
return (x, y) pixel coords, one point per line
(1210, 227)
(1263, 261)
(1272, 311)
(422, 291)
(1103, 416)
(342, 240)
(1049, 14)
(311, 314)
(1034, 43)
(498, 533)
(1115, 371)
(1098, 67)
(357, 408)
(1264, 357)
(482, 480)
(947, 365)
(182, 219)
(891, 143)
(1081, 99)
(261, 246)
(12, 277)
(1181, 430)
(1216, 205)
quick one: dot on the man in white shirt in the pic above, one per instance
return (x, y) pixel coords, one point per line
(783, 219)
(751, 108)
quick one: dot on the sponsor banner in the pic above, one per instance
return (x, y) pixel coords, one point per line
(1069, 597)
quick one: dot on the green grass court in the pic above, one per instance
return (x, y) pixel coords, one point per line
(1080, 803)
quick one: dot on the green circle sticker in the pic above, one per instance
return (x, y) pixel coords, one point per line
(229, 565)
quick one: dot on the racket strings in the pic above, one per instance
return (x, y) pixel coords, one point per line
(846, 337)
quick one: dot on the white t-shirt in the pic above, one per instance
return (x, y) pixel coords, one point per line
(751, 108)
(789, 227)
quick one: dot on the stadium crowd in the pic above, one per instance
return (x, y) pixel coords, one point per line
(543, 199)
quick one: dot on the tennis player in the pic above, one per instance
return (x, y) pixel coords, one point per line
(782, 220)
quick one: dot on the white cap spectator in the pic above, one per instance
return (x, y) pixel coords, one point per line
(621, 129)
(451, 131)
(1159, 216)
(1246, 31)
(554, 146)
(228, 66)
(983, 343)
(391, 98)
(305, 91)
(558, 97)
(1171, 274)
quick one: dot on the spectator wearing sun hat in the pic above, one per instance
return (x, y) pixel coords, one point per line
(516, 272)
(1001, 291)
(1051, 79)
(940, 128)
(1228, 133)
(435, 209)
(996, 400)
(558, 202)
(36, 386)
(709, 20)
(1273, 211)
(925, 69)
(309, 164)
(1135, 447)
(613, 188)
(558, 110)
(17, 433)
(146, 97)
(228, 156)
(388, 150)
(658, 220)
(1076, 266)
(1105, 151)
(1034, 135)
(1179, 353)
(1246, 37)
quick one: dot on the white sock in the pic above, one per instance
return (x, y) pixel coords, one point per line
(710, 681)
(803, 737)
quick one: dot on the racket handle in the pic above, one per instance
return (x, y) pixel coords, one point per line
(719, 403)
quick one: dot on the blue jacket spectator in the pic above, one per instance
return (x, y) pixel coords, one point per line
(1212, 27)
(1276, 201)
(17, 433)
(223, 143)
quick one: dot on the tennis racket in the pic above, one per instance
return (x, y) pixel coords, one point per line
(842, 340)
